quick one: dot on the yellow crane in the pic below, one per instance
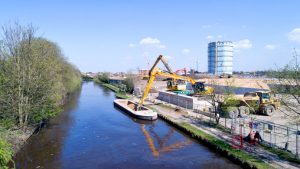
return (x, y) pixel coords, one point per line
(198, 87)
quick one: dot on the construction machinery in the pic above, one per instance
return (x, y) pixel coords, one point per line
(261, 102)
(198, 87)
(183, 71)
(256, 102)
(177, 83)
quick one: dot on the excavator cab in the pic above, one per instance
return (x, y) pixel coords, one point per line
(175, 85)
(199, 87)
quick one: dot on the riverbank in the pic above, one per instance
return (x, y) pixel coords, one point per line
(196, 126)
(116, 90)
(16, 137)
(13, 138)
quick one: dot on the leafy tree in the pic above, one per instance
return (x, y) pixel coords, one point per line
(104, 77)
(35, 76)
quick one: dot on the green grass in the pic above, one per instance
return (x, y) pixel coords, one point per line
(225, 147)
(6, 152)
(111, 87)
(121, 95)
(284, 155)
(219, 145)
(118, 93)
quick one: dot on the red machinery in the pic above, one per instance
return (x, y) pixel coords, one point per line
(183, 71)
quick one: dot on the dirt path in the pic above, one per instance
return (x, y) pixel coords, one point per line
(197, 121)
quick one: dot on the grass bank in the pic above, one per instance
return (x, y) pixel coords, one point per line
(238, 156)
(283, 154)
(116, 90)
(111, 87)
(121, 95)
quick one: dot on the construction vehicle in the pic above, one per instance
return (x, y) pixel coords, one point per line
(181, 70)
(261, 102)
(256, 102)
(198, 87)
(225, 75)
(178, 84)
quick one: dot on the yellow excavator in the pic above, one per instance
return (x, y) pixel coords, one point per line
(172, 84)
(198, 87)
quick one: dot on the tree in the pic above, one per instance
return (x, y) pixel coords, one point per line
(219, 96)
(129, 82)
(287, 84)
(104, 77)
(35, 77)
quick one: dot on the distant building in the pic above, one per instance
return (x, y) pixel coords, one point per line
(143, 73)
(220, 57)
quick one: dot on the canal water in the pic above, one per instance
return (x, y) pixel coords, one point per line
(91, 133)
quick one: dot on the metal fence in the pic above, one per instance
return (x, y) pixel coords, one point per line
(274, 135)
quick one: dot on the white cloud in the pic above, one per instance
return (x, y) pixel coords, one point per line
(150, 41)
(185, 51)
(294, 35)
(243, 44)
(271, 47)
(131, 45)
(153, 42)
(219, 36)
(206, 26)
(209, 37)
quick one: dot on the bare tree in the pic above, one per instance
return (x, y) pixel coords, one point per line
(219, 95)
(287, 85)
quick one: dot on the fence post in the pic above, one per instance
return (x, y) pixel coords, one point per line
(271, 138)
(263, 131)
(287, 139)
(274, 135)
(297, 137)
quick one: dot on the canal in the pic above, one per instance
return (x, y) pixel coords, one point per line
(92, 133)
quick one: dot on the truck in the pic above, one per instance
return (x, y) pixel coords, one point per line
(259, 102)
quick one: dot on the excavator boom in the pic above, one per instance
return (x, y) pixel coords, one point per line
(155, 72)
(197, 86)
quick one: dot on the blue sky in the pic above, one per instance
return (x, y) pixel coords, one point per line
(125, 35)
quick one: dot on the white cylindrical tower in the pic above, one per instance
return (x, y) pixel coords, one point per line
(220, 57)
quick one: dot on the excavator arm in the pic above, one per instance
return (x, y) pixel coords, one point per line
(161, 58)
(198, 87)
(155, 72)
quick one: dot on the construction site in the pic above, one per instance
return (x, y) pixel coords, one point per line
(249, 116)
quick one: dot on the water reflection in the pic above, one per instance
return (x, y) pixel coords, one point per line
(45, 147)
(158, 143)
(106, 92)
(92, 133)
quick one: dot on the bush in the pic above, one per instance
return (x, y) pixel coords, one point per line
(6, 154)
(104, 77)
(128, 82)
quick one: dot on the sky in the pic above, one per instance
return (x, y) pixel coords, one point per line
(120, 35)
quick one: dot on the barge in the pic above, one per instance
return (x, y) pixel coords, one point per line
(128, 106)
